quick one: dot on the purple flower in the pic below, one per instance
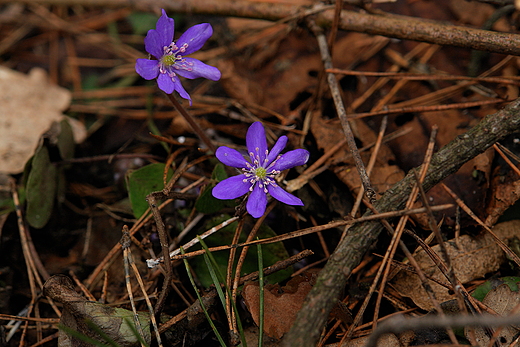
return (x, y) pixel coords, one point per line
(170, 61)
(259, 171)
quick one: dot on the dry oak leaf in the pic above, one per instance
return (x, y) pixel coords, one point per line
(30, 105)
(281, 304)
(502, 300)
(471, 257)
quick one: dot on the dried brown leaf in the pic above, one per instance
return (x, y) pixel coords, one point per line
(476, 257)
(280, 303)
(30, 104)
(501, 300)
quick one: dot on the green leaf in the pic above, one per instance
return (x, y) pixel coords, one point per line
(206, 202)
(219, 173)
(41, 188)
(66, 140)
(142, 182)
(271, 253)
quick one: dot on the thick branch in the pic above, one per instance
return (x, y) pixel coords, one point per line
(401, 27)
(350, 251)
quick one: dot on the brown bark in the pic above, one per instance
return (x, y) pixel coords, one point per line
(401, 27)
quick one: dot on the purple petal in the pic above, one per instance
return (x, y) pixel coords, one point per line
(257, 202)
(231, 157)
(277, 148)
(180, 89)
(165, 28)
(147, 69)
(153, 44)
(291, 159)
(281, 195)
(195, 37)
(198, 69)
(256, 142)
(231, 188)
(165, 83)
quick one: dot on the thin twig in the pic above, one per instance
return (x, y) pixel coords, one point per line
(230, 275)
(165, 244)
(125, 244)
(340, 109)
(193, 123)
(421, 109)
(173, 255)
(129, 260)
(291, 235)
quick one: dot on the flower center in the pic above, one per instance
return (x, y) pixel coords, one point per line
(169, 60)
(260, 172)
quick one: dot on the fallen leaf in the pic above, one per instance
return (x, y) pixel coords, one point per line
(476, 257)
(30, 104)
(385, 172)
(78, 311)
(281, 304)
(502, 300)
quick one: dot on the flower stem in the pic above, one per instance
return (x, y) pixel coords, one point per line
(194, 125)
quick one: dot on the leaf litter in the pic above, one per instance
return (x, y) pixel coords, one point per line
(75, 199)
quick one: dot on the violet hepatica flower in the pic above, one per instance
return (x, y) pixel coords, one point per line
(258, 171)
(170, 61)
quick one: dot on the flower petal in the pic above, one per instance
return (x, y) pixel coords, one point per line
(197, 69)
(231, 157)
(281, 195)
(153, 44)
(165, 29)
(277, 148)
(180, 89)
(165, 83)
(256, 142)
(291, 159)
(231, 188)
(147, 69)
(195, 37)
(257, 202)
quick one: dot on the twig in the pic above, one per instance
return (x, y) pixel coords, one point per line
(401, 27)
(421, 109)
(125, 244)
(291, 235)
(350, 251)
(340, 109)
(194, 125)
(230, 276)
(165, 244)
(129, 260)
(154, 262)
(514, 80)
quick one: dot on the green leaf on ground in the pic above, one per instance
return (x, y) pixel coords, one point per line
(142, 182)
(41, 188)
(207, 203)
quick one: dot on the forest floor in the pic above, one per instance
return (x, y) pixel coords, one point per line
(101, 172)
